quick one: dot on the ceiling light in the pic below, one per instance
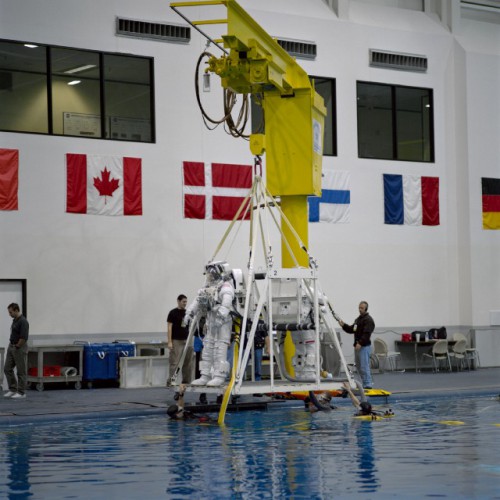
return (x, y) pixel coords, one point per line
(74, 82)
(30, 46)
(80, 68)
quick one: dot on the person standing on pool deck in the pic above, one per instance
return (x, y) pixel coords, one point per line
(177, 338)
(17, 354)
(362, 328)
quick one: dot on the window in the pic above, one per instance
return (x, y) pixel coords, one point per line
(395, 122)
(64, 91)
(23, 88)
(127, 94)
(325, 87)
(76, 99)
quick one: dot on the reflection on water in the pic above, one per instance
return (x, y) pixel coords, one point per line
(452, 444)
(367, 472)
(17, 447)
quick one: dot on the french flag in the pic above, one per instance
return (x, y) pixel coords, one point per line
(411, 200)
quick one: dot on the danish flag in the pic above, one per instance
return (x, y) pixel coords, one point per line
(216, 190)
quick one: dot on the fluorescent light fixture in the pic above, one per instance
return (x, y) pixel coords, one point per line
(30, 46)
(74, 82)
(80, 68)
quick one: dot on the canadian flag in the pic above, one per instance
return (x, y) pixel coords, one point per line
(103, 185)
(216, 190)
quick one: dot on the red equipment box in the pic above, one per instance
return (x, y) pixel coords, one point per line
(48, 371)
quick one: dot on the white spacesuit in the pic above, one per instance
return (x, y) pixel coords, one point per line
(214, 301)
(304, 361)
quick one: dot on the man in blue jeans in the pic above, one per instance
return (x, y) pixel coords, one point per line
(362, 328)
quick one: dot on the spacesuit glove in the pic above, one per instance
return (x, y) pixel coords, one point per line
(186, 320)
(222, 314)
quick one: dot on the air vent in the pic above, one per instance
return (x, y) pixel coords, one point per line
(153, 31)
(395, 60)
(298, 48)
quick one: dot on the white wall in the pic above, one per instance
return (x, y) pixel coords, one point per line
(483, 82)
(488, 346)
(91, 274)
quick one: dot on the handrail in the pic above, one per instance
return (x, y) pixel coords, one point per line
(210, 21)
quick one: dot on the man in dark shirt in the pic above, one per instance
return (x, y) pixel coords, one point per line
(177, 336)
(362, 328)
(17, 354)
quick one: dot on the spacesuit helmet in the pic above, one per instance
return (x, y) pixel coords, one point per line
(216, 271)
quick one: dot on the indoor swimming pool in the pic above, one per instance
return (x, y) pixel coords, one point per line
(433, 447)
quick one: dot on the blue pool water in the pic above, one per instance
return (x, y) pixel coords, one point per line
(284, 452)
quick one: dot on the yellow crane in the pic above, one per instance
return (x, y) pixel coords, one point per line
(254, 63)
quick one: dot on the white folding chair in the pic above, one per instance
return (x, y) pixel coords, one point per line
(439, 353)
(459, 353)
(382, 353)
(471, 353)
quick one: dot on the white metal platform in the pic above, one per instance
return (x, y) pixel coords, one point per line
(265, 387)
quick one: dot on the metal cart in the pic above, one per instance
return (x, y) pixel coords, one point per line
(55, 355)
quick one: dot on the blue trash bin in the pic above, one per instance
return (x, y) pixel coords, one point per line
(123, 350)
(99, 362)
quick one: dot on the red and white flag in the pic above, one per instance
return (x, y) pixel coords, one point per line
(9, 180)
(103, 185)
(215, 191)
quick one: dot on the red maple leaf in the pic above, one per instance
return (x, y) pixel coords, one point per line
(105, 185)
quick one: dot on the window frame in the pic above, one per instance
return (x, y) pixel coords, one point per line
(394, 112)
(102, 104)
(333, 83)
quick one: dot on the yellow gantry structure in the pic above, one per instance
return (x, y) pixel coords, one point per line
(254, 63)
(294, 113)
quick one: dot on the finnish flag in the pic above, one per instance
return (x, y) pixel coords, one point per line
(335, 201)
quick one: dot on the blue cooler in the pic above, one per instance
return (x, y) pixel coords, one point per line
(123, 350)
(99, 362)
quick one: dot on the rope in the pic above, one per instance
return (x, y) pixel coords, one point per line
(246, 203)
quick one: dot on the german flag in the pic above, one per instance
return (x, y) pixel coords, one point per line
(491, 203)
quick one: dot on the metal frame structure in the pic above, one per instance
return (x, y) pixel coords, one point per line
(253, 63)
(257, 300)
